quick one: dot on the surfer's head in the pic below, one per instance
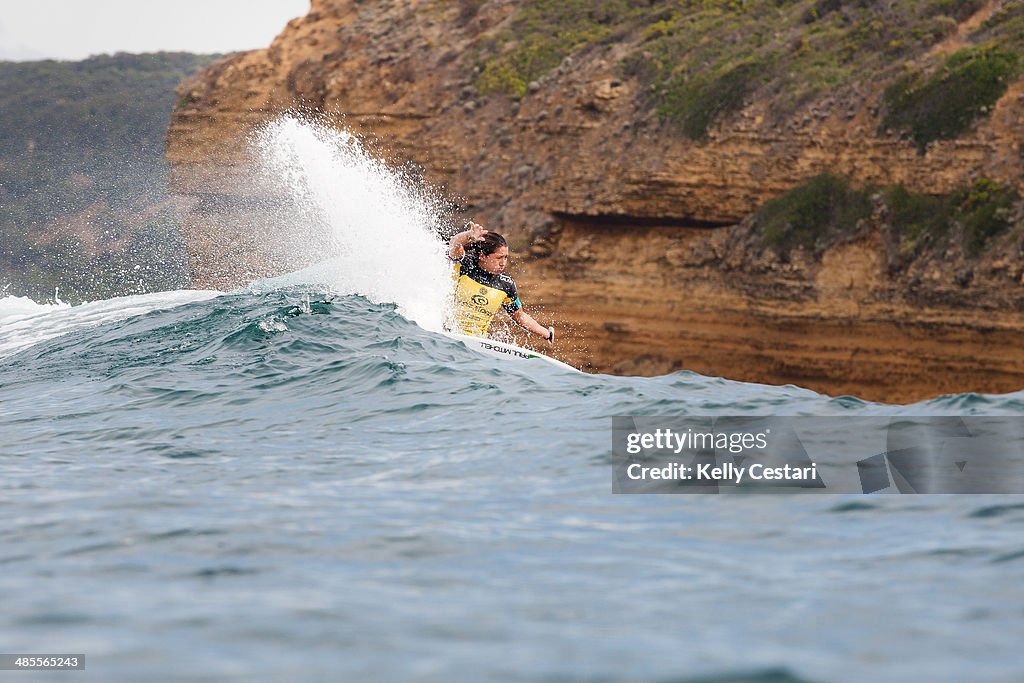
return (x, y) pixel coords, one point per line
(492, 252)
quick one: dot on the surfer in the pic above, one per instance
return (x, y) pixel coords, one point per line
(479, 258)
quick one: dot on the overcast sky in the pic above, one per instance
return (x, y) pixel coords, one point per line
(76, 29)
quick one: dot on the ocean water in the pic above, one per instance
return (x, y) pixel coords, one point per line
(301, 480)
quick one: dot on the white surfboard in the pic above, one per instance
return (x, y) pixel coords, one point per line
(492, 347)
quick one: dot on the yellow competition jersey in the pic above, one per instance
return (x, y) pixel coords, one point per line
(479, 295)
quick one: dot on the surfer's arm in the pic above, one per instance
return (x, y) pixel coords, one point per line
(458, 242)
(527, 321)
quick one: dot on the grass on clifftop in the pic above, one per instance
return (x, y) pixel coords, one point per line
(699, 61)
(543, 33)
(826, 209)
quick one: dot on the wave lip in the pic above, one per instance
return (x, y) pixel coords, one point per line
(24, 323)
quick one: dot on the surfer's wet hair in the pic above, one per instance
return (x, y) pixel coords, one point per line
(489, 243)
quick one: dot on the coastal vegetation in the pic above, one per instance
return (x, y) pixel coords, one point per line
(700, 61)
(83, 199)
(827, 209)
(945, 104)
(813, 215)
(545, 32)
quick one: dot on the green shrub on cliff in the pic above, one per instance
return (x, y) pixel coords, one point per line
(984, 209)
(825, 209)
(813, 214)
(512, 73)
(698, 102)
(946, 104)
(917, 218)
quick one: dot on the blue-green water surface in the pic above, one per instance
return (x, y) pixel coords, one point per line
(258, 487)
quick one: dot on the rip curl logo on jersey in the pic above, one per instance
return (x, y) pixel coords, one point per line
(480, 300)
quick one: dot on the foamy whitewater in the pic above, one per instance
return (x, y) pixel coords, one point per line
(378, 230)
(301, 480)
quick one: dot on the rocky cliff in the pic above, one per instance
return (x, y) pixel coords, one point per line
(639, 235)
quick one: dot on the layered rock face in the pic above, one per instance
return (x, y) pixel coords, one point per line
(625, 222)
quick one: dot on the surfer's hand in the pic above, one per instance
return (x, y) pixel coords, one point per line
(475, 231)
(471, 232)
(551, 335)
